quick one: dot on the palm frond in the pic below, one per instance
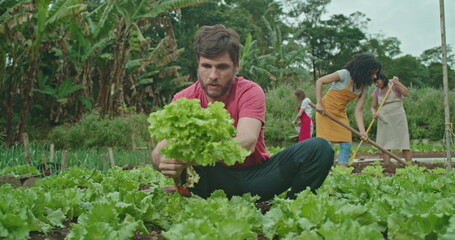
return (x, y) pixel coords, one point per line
(270, 36)
(265, 72)
(278, 42)
(103, 19)
(246, 53)
(182, 81)
(101, 44)
(64, 9)
(13, 13)
(9, 4)
(161, 6)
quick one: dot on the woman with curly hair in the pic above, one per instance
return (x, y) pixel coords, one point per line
(351, 82)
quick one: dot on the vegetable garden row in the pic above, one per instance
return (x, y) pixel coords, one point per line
(416, 203)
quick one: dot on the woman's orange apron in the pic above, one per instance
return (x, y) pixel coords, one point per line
(335, 102)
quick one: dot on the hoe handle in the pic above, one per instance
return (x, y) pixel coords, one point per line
(358, 134)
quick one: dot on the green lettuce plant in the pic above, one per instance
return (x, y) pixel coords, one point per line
(198, 135)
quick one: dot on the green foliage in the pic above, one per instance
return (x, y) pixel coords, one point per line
(281, 110)
(217, 218)
(61, 93)
(413, 205)
(438, 171)
(105, 217)
(196, 134)
(90, 158)
(427, 125)
(374, 169)
(421, 124)
(436, 76)
(341, 170)
(93, 132)
(410, 70)
(19, 170)
(281, 64)
(274, 150)
(411, 169)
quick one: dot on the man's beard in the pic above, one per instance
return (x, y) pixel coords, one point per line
(215, 95)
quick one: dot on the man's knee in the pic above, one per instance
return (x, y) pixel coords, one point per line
(325, 150)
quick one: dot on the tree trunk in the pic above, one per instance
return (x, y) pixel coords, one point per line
(27, 92)
(9, 113)
(115, 97)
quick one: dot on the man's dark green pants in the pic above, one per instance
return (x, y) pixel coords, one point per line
(304, 164)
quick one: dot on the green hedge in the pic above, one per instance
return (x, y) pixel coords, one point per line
(91, 132)
(424, 108)
(424, 111)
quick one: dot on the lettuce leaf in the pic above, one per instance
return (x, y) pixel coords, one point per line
(199, 135)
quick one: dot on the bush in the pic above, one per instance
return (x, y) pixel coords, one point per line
(91, 132)
(281, 110)
(424, 110)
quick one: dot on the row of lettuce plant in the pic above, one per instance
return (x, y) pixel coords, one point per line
(415, 204)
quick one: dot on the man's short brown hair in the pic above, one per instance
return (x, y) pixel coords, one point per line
(211, 41)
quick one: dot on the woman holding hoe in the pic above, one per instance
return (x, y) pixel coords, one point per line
(392, 131)
(351, 82)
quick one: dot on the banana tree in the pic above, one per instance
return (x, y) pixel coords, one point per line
(13, 50)
(281, 63)
(47, 15)
(59, 95)
(131, 52)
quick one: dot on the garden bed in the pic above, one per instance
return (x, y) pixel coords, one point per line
(155, 232)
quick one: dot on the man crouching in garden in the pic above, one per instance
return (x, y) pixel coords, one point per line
(304, 164)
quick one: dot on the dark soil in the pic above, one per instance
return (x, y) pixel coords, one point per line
(390, 169)
(155, 232)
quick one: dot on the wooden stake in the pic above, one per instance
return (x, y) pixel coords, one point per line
(133, 141)
(111, 157)
(104, 160)
(28, 156)
(51, 154)
(64, 159)
(44, 161)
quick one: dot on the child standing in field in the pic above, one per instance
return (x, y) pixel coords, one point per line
(351, 82)
(303, 117)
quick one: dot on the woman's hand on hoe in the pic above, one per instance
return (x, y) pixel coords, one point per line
(395, 79)
(375, 115)
(319, 107)
(364, 136)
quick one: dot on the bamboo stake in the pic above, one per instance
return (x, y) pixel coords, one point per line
(358, 133)
(445, 80)
(351, 159)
